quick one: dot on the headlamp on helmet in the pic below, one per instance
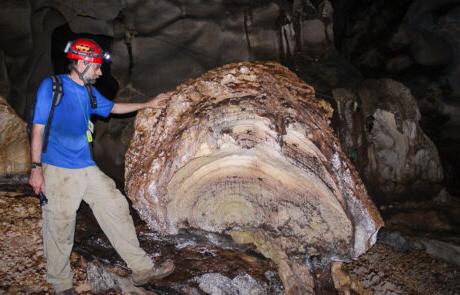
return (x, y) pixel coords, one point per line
(87, 50)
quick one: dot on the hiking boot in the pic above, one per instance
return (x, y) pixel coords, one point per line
(70, 291)
(156, 273)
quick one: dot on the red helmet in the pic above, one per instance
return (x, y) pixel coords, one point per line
(85, 49)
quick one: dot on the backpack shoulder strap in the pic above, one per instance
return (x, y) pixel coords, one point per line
(58, 92)
(92, 98)
(58, 89)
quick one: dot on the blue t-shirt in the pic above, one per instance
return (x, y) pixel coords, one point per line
(68, 145)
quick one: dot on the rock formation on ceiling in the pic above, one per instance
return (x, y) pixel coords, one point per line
(14, 143)
(247, 150)
(380, 131)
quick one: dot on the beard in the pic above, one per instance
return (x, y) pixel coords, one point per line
(90, 79)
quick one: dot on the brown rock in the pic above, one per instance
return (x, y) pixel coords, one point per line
(22, 266)
(247, 148)
(380, 130)
(345, 283)
(384, 270)
(14, 144)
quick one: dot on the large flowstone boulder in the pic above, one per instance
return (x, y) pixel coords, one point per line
(246, 150)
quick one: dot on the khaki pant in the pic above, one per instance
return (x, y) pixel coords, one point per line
(65, 189)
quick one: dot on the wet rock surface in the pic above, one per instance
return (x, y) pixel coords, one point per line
(98, 268)
(195, 253)
(215, 283)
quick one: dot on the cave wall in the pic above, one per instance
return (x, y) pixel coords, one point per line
(16, 46)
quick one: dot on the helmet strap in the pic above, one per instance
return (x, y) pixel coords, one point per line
(82, 74)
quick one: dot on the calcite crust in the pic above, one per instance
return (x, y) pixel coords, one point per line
(248, 148)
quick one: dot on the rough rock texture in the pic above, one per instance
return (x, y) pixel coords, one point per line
(380, 132)
(195, 253)
(14, 143)
(21, 225)
(384, 271)
(246, 149)
(344, 283)
(214, 283)
(102, 280)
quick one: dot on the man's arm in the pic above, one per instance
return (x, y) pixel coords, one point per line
(36, 179)
(156, 102)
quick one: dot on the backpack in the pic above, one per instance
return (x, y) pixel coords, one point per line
(58, 92)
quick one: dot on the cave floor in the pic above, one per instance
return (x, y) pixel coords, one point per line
(384, 269)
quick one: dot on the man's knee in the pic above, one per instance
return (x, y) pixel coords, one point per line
(104, 196)
(120, 203)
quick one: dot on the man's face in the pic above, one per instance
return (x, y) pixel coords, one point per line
(94, 71)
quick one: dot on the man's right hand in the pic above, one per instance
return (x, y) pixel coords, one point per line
(36, 180)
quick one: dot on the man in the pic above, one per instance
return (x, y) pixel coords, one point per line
(67, 173)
